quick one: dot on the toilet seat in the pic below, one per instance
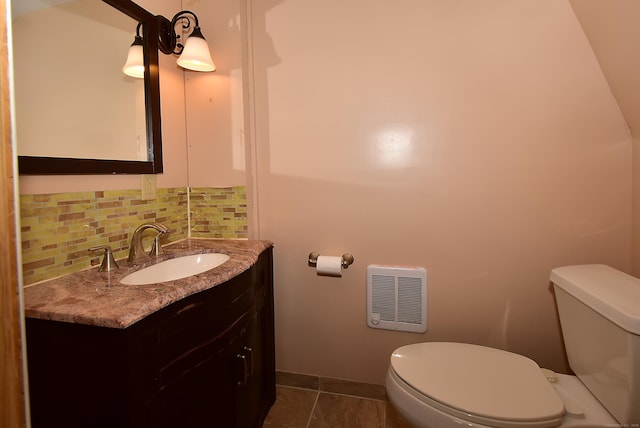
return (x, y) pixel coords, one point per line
(478, 384)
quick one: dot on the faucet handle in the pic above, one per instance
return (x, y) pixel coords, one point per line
(108, 262)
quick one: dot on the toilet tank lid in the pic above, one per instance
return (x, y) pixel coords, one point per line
(613, 294)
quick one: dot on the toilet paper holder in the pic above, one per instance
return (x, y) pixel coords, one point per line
(347, 259)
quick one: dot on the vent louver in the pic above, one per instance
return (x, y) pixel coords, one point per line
(397, 298)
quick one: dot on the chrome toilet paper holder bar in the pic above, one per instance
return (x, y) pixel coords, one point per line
(347, 259)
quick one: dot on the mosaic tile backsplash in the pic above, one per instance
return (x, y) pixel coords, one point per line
(218, 213)
(58, 229)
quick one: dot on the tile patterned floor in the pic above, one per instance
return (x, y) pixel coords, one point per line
(313, 402)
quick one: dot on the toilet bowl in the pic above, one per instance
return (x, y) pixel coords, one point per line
(442, 385)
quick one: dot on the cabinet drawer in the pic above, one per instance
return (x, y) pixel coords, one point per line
(194, 322)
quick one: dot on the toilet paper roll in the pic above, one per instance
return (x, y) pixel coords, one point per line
(329, 266)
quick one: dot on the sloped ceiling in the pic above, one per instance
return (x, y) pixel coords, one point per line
(613, 30)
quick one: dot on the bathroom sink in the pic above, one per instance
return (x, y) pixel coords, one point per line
(177, 268)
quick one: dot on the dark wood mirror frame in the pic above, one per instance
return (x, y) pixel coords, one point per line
(35, 165)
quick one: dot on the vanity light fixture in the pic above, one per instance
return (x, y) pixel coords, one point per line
(193, 54)
(134, 66)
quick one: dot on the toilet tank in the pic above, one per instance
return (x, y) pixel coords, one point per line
(599, 310)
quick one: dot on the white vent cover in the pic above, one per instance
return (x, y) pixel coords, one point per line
(397, 298)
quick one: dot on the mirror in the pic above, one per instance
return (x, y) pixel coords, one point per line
(75, 109)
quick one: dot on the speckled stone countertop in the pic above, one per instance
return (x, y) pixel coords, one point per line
(98, 298)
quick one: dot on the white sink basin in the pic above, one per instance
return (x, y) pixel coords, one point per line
(172, 269)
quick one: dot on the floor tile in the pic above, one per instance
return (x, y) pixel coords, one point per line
(339, 411)
(393, 419)
(292, 408)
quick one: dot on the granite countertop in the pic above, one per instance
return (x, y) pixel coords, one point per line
(97, 298)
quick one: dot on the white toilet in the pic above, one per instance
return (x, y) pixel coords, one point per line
(442, 385)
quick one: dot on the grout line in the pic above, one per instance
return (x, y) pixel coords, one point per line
(352, 396)
(333, 393)
(313, 409)
(298, 387)
(384, 415)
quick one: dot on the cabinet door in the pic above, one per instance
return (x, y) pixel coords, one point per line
(202, 395)
(198, 398)
(77, 375)
(249, 376)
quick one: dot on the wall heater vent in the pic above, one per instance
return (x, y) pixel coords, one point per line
(397, 298)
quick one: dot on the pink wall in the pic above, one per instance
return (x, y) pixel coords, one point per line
(477, 139)
(214, 101)
(613, 31)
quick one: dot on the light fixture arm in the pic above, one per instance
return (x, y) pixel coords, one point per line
(138, 30)
(168, 43)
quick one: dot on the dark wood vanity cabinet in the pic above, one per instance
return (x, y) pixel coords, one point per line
(204, 361)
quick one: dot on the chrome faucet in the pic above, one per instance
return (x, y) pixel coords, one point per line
(136, 251)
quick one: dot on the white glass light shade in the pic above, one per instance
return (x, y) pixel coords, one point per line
(134, 66)
(196, 55)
